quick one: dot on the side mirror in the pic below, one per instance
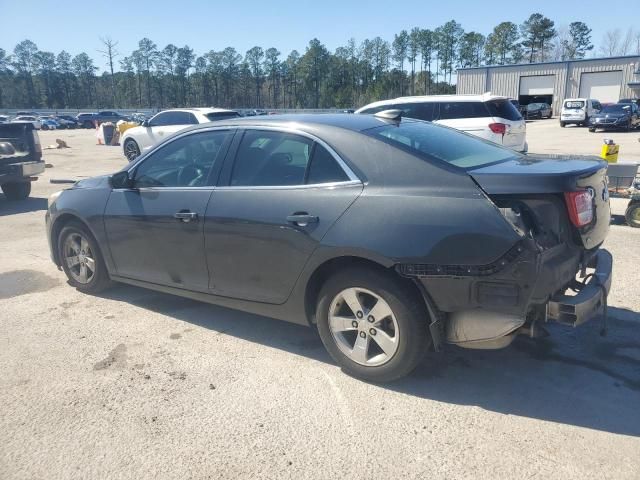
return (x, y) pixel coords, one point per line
(121, 180)
(145, 123)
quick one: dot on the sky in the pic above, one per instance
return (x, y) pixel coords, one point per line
(77, 26)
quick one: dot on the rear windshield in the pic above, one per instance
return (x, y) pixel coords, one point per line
(574, 104)
(503, 109)
(221, 115)
(442, 143)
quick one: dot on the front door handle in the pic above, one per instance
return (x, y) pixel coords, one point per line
(302, 219)
(185, 216)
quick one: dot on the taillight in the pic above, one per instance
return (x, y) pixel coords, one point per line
(500, 128)
(580, 205)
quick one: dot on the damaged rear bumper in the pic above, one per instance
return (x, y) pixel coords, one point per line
(590, 298)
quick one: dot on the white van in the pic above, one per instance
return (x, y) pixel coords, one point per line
(578, 111)
(487, 116)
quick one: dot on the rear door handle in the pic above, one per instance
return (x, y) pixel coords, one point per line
(185, 216)
(302, 219)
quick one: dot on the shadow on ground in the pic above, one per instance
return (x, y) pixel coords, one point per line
(574, 376)
(31, 204)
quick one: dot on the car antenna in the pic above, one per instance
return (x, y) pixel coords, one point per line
(393, 114)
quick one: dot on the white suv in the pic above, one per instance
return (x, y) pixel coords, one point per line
(578, 111)
(486, 116)
(137, 140)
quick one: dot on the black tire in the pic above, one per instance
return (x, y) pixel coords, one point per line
(88, 124)
(100, 279)
(16, 190)
(592, 129)
(632, 215)
(45, 127)
(407, 308)
(562, 124)
(131, 149)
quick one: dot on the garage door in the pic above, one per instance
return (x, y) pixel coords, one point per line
(603, 86)
(537, 85)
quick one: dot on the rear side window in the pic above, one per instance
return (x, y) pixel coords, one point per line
(221, 115)
(453, 110)
(418, 110)
(268, 158)
(503, 109)
(324, 168)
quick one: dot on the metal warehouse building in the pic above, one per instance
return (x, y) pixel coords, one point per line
(605, 79)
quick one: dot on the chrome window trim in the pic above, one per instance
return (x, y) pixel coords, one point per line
(353, 178)
(345, 183)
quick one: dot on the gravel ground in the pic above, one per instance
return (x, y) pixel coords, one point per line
(137, 384)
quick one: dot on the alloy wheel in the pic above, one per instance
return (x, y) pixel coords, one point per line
(79, 258)
(131, 150)
(363, 326)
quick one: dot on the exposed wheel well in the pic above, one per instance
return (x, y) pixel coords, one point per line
(324, 272)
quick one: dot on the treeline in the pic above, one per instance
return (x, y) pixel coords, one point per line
(415, 62)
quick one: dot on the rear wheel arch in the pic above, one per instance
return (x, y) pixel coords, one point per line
(326, 270)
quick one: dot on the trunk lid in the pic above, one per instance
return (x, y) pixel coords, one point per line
(555, 175)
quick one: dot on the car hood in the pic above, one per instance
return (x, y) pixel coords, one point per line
(101, 181)
(611, 115)
(535, 174)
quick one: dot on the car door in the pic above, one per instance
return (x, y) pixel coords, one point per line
(277, 199)
(155, 228)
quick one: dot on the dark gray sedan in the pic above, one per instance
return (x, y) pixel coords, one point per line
(392, 236)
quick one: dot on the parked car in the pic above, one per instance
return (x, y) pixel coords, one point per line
(28, 119)
(20, 159)
(390, 235)
(90, 120)
(66, 121)
(486, 116)
(538, 110)
(578, 111)
(618, 116)
(630, 100)
(48, 123)
(137, 140)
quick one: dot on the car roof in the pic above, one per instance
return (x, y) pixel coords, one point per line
(485, 97)
(305, 121)
(202, 110)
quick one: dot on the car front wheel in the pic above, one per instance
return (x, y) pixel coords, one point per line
(131, 149)
(372, 325)
(81, 259)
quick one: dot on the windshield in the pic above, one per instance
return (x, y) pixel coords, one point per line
(618, 108)
(442, 143)
(535, 106)
(574, 104)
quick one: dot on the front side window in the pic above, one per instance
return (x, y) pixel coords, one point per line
(442, 143)
(267, 158)
(185, 162)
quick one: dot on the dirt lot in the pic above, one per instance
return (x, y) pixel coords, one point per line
(137, 384)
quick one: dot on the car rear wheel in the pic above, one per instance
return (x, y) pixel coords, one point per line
(81, 259)
(16, 190)
(131, 149)
(372, 325)
(562, 124)
(632, 215)
(592, 129)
